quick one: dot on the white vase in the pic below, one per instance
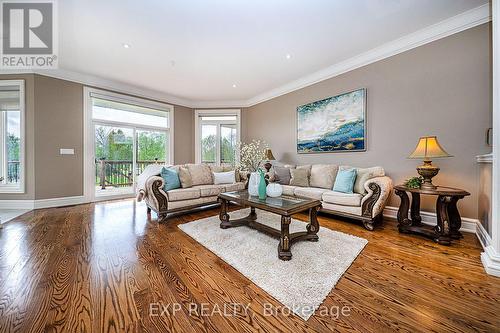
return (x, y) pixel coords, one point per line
(274, 190)
(253, 184)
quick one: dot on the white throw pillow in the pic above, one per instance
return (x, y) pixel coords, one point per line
(224, 177)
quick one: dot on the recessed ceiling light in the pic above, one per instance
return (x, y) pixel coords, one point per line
(288, 56)
(125, 45)
(234, 86)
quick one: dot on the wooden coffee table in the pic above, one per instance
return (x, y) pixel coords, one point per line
(284, 206)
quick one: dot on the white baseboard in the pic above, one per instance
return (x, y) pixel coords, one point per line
(491, 261)
(43, 203)
(17, 204)
(483, 236)
(468, 224)
(59, 202)
(490, 258)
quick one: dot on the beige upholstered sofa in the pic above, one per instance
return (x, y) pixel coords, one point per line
(198, 188)
(371, 191)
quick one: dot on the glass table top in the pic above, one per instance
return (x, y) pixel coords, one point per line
(280, 202)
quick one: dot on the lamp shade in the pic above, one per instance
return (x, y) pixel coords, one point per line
(269, 155)
(428, 147)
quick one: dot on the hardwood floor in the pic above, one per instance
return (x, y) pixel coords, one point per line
(105, 267)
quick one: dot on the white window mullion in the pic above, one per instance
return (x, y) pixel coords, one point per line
(3, 147)
(12, 99)
(217, 146)
(134, 157)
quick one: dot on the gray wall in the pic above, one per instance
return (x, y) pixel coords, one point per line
(54, 110)
(442, 88)
(184, 135)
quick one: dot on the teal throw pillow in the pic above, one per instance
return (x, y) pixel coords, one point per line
(345, 181)
(171, 178)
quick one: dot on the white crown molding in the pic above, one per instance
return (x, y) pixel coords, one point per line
(453, 25)
(219, 104)
(429, 218)
(445, 28)
(107, 84)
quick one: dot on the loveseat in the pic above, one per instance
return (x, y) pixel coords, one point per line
(197, 188)
(370, 193)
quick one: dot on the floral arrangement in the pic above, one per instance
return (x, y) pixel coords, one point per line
(251, 155)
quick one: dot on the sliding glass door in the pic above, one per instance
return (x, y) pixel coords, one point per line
(151, 147)
(127, 137)
(114, 160)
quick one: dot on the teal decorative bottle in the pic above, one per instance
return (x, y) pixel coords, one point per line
(262, 186)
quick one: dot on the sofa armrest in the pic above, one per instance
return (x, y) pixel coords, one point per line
(153, 194)
(379, 190)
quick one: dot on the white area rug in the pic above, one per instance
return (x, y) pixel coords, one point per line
(302, 283)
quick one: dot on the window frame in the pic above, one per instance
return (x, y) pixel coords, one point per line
(21, 186)
(89, 122)
(215, 112)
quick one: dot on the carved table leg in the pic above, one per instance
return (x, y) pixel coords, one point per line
(455, 219)
(252, 215)
(443, 230)
(223, 215)
(313, 226)
(284, 252)
(403, 221)
(162, 218)
(416, 219)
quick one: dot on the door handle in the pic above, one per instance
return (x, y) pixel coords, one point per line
(489, 131)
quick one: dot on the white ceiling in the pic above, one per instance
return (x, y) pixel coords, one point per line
(197, 49)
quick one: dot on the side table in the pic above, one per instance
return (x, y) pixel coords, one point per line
(448, 217)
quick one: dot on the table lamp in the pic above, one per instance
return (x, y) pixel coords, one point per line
(268, 157)
(427, 148)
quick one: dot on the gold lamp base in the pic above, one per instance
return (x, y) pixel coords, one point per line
(427, 171)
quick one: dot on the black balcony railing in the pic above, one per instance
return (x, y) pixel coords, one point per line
(117, 173)
(13, 171)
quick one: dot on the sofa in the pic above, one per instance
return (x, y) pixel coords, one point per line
(197, 188)
(371, 190)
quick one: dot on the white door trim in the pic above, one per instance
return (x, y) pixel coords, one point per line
(88, 134)
(21, 187)
(491, 256)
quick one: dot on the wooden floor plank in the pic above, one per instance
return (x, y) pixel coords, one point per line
(105, 268)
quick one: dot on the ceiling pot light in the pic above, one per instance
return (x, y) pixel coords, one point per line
(288, 56)
(125, 45)
(234, 86)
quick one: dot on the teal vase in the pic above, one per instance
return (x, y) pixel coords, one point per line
(262, 186)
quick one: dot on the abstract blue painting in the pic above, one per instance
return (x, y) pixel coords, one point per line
(333, 124)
